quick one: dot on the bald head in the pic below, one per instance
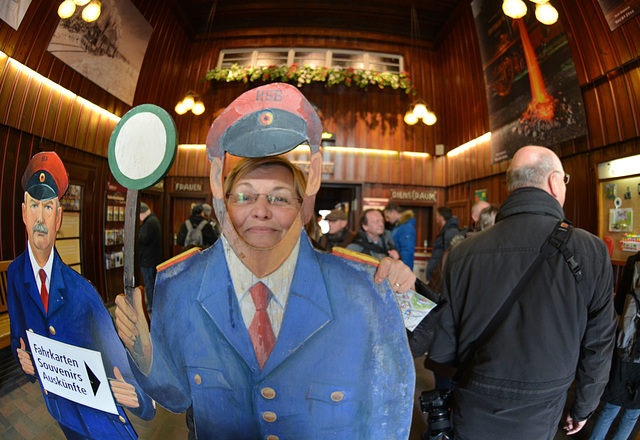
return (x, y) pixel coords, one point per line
(537, 167)
(477, 209)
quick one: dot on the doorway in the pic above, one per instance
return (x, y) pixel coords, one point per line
(345, 196)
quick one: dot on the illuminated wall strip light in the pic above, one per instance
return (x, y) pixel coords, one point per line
(301, 149)
(464, 147)
(413, 154)
(69, 94)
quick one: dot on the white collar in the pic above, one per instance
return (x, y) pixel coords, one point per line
(36, 268)
(278, 281)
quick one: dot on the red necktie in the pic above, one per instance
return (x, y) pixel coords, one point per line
(260, 329)
(43, 290)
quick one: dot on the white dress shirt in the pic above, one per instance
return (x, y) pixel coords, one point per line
(36, 268)
(278, 282)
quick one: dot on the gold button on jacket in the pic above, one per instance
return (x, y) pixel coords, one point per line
(268, 393)
(269, 416)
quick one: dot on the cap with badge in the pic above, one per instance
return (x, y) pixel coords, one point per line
(335, 215)
(45, 177)
(265, 121)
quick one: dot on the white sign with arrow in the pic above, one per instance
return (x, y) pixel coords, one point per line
(72, 372)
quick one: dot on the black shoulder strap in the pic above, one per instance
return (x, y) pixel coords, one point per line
(556, 241)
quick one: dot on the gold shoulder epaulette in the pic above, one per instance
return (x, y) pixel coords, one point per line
(178, 258)
(355, 256)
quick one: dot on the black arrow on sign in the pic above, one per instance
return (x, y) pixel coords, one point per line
(95, 383)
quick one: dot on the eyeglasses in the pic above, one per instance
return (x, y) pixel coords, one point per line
(279, 200)
(566, 178)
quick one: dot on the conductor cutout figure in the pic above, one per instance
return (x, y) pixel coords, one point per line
(51, 303)
(262, 335)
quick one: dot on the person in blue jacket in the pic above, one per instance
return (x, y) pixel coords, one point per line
(49, 298)
(403, 232)
(330, 360)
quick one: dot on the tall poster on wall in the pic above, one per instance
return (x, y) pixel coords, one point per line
(532, 89)
(108, 51)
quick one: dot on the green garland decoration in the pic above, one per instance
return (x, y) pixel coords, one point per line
(306, 75)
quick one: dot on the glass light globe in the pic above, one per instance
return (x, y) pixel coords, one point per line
(198, 108)
(81, 2)
(430, 119)
(546, 14)
(180, 108)
(91, 12)
(66, 9)
(420, 111)
(410, 118)
(539, 2)
(188, 102)
(514, 8)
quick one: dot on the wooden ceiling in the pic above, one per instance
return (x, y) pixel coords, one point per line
(393, 17)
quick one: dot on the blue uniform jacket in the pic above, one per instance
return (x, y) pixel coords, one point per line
(78, 317)
(341, 367)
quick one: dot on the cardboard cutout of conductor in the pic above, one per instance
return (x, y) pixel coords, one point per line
(47, 297)
(333, 361)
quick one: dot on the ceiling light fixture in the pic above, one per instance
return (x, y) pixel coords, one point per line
(90, 13)
(191, 101)
(420, 111)
(66, 9)
(545, 12)
(514, 8)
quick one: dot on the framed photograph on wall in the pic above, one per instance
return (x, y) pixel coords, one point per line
(108, 51)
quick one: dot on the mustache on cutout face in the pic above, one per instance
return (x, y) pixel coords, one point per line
(39, 227)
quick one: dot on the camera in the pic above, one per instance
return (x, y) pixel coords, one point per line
(436, 404)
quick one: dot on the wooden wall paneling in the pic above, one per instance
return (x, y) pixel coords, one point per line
(594, 116)
(11, 227)
(463, 113)
(589, 65)
(631, 32)
(610, 117)
(626, 102)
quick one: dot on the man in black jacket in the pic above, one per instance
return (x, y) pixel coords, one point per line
(558, 330)
(449, 228)
(339, 234)
(149, 250)
(372, 238)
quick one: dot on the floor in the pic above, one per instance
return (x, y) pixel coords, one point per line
(24, 416)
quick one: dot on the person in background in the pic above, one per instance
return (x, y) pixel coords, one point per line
(46, 296)
(339, 234)
(149, 250)
(486, 218)
(372, 238)
(559, 332)
(476, 209)
(207, 212)
(196, 221)
(623, 389)
(626, 283)
(403, 232)
(449, 225)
